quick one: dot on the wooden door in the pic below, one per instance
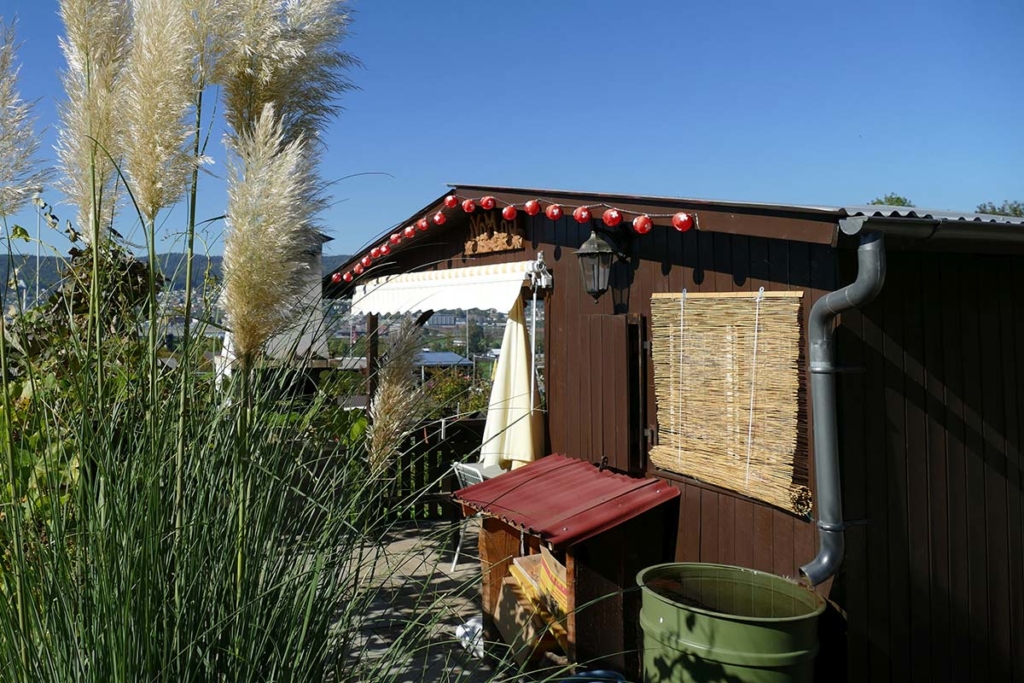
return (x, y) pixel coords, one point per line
(607, 372)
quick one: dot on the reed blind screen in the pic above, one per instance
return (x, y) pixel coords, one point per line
(731, 401)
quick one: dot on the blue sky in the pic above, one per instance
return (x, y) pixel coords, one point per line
(801, 101)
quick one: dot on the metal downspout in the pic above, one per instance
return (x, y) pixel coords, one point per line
(828, 498)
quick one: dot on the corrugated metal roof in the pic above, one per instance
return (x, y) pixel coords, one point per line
(351, 363)
(565, 501)
(431, 358)
(425, 358)
(886, 211)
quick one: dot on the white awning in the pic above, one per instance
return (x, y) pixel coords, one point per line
(484, 287)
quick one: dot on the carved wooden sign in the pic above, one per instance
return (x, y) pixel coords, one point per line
(489, 232)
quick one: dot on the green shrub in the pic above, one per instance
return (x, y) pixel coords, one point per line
(453, 390)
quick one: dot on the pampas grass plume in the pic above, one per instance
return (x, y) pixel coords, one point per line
(398, 405)
(96, 46)
(20, 176)
(285, 52)
(157, 96)
(269, 233)
(208, 28)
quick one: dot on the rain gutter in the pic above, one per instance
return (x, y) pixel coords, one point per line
(935, 229)
(871, 265)
(821, 328)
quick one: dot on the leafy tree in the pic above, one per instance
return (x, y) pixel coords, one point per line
(891, 199)
(1007, 208)
(477, 338)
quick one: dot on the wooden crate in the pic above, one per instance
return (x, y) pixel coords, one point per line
(602, 603)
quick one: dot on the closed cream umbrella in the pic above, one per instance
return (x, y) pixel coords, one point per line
(513, 434)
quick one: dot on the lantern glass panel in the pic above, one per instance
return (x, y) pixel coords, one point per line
(595, 266)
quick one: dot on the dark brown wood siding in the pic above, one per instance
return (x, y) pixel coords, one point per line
(931, 410)
(931, 447)
(715, 525)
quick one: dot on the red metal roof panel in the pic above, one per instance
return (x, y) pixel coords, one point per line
(565, 501)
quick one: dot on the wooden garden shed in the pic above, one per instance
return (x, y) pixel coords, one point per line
(928, 385)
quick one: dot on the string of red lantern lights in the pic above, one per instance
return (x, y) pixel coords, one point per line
(643, 223)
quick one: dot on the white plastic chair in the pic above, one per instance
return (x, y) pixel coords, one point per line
(467, 475)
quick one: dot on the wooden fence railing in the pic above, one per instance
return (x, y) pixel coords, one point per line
(423, 474)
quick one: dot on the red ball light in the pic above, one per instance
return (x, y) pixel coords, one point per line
(375, 252)
(336, 278)
(469, 206)
(642, 224)
(395, 238)
(423, 224)
(451, 201)
(410, 232)
(553, 212)
(347, 277)
(385, 249)
(366, 261)
(532, 207)
(611, 217)
(358, 270)
(509, 213)
(581, 214)
(488, 203)
(439, 219)
(682, 221)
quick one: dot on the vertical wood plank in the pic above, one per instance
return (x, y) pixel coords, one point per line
(590, 385)
(575, 339)
(764, 536)
(709, 549)
(896, 467)
(690, 524)
(617, 430)
(917, 471)
(974, 454)
(1012, 282)
(610, 387)
(498, 544)
(993, 435)
(956, 481)
(938, 468)
(571, 607)
(726, 529)
(743, 534)
(851, 586)
(876, 494)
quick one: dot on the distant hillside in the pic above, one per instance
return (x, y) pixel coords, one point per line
(172, 265)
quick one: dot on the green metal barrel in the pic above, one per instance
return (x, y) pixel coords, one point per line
(712, 622)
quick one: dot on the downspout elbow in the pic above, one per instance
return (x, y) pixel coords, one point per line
(870, 279)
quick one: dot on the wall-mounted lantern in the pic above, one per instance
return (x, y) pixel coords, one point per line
(596, 257)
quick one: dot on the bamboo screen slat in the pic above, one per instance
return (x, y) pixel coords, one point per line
(728, 384)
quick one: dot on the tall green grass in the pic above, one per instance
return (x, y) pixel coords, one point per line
(94, 558)
(155, 527)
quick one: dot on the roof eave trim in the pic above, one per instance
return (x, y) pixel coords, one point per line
(935, 229)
